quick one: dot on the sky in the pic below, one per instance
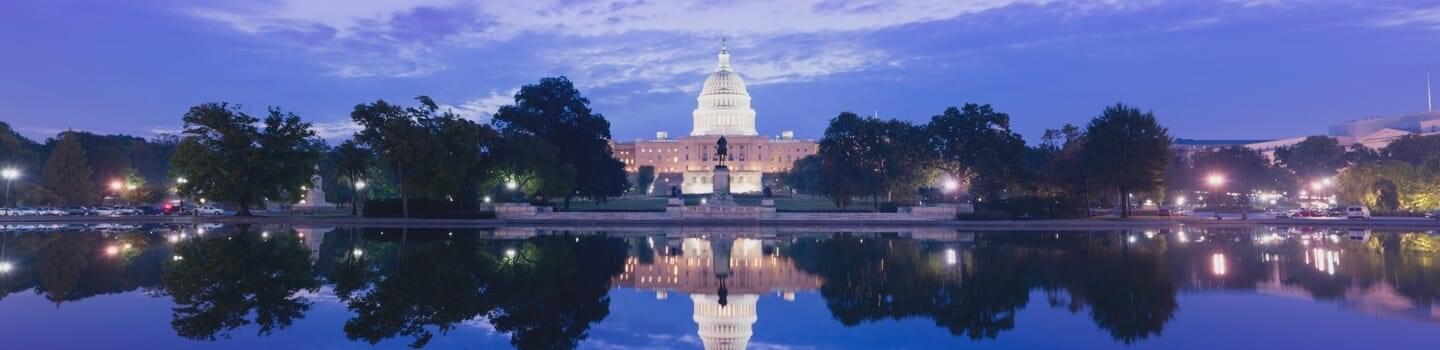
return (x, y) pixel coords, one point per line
(1236, 69)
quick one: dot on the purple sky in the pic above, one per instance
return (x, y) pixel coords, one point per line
(1209, 69)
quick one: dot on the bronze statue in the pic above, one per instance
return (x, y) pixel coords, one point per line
(721, 150)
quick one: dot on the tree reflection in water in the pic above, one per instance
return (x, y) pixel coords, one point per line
(555, 286)
(545, 291)
(1125, 288)
(219, 281)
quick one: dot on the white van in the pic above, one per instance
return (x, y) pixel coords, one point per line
(1357, 212)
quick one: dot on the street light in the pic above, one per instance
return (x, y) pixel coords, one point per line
(359, 196)
(181, 181)
(10, 174)
(1215, 181)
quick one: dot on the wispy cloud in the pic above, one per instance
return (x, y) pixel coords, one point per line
(380, 38)
(1428, 18)
(483, 108)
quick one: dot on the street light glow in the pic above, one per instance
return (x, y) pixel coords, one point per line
(511, 184)
(950, 185)
(1215, 180)
(117, 185)
(1180, 200)
(6, 267)
(10, 173)
(359, 184)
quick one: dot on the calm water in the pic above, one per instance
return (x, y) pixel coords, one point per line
(245, 287)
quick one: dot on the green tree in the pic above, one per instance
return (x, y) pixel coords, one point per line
(352, 165)
(1127, 151)
(805, 175)
(557, 113)
(447, 149)
(850, 167)
(1245, 170)
(394, 133)
(535, 168)
(134, 189)
(977, 145)
(1412, 148)
(226, 157)
(67, 173)
(1314, 157)
(16, 150)
(644, 177)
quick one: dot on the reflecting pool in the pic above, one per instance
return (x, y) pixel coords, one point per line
(247, 287)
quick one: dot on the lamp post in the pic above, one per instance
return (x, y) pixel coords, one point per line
(10, 174)
(359, 197)
(1215, 181)
(117, 186)
(180, 181)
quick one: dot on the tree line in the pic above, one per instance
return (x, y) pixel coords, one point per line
(1123, 151)
(1121, 157)
(81, 168)
(546, 146)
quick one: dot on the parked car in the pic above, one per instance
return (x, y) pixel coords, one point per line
(148, 210)
(1357, 212)
(1433, 215)
(22, 211)
(1281, 214)
(5, 211)
(207, 210)
(76, 210)
(106, 211)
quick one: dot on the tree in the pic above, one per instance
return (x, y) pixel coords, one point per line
(644, 177)
(554, 111)
(872, 156)
(805, 175)
(1390, 185)
(976, 143)
(16, 150)
(67, 173)
(352, 163)
(225, 156)
(1126, 150)
(136, 190)
(1412, 148)
(533, 166)
(850, 165)
(1245, 170)
(1314, 157)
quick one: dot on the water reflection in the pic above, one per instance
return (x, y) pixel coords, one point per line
(547, 288)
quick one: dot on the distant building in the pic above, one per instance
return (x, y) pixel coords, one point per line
(723, 109)
(1374, 133)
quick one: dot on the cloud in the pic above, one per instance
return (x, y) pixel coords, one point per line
(482, 109)
(339, 129)
(1428, 18)
(403, 39)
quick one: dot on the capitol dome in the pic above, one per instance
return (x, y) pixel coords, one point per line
(724, 104)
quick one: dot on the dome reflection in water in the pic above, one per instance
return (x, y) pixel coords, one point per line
(244, 286)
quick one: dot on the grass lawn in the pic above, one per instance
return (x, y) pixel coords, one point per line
(790, 204)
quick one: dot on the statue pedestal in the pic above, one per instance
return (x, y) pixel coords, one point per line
(721, 194)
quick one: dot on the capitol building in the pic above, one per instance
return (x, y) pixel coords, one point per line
(723, 109)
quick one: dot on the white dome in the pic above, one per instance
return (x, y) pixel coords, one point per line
(723, 107)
